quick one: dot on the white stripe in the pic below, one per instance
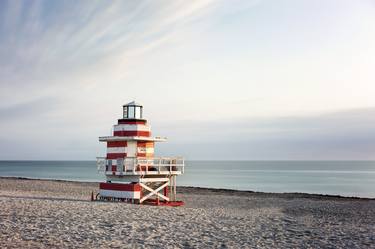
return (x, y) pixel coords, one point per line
(120, 194)
(129, 163)
(128, 127)
(145, 150)
(116, 149)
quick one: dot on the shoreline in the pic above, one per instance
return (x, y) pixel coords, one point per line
(205, 190)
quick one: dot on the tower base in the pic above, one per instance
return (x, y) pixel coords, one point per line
(147, 192)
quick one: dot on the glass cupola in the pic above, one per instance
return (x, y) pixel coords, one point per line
(132, 110)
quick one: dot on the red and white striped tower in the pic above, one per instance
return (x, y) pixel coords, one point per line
(132, 172)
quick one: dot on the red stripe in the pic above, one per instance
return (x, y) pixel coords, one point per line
(115, 155)
(131, 133)
(120, 186)
(145, 144)
(131, 122)
(116, 144)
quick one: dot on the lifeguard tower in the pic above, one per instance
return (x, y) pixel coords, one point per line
(132, 172)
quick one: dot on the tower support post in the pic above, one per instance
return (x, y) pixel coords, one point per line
(154, 192)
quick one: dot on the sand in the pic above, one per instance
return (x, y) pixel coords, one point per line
(59, 214)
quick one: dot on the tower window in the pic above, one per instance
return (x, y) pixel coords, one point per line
(131, 112)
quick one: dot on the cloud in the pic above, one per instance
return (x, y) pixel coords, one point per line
(345, 134)
(24, 110)
(66, 67)
(60, 61)
(51, 46)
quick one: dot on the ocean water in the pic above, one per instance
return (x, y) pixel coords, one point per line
(346, 178)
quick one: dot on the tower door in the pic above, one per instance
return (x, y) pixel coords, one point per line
(131, 149)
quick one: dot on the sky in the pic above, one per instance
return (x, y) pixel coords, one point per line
(223, 80)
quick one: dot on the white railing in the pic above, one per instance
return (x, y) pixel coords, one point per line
(143, 166)
(101, 164)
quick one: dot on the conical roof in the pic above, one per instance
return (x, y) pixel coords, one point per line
(133, 103)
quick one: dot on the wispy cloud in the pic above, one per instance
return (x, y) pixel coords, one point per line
(48, 44)
(66, 67)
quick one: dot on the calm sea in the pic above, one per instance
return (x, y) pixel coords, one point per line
(347, 178)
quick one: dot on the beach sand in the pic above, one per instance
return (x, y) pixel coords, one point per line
(59, 214)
